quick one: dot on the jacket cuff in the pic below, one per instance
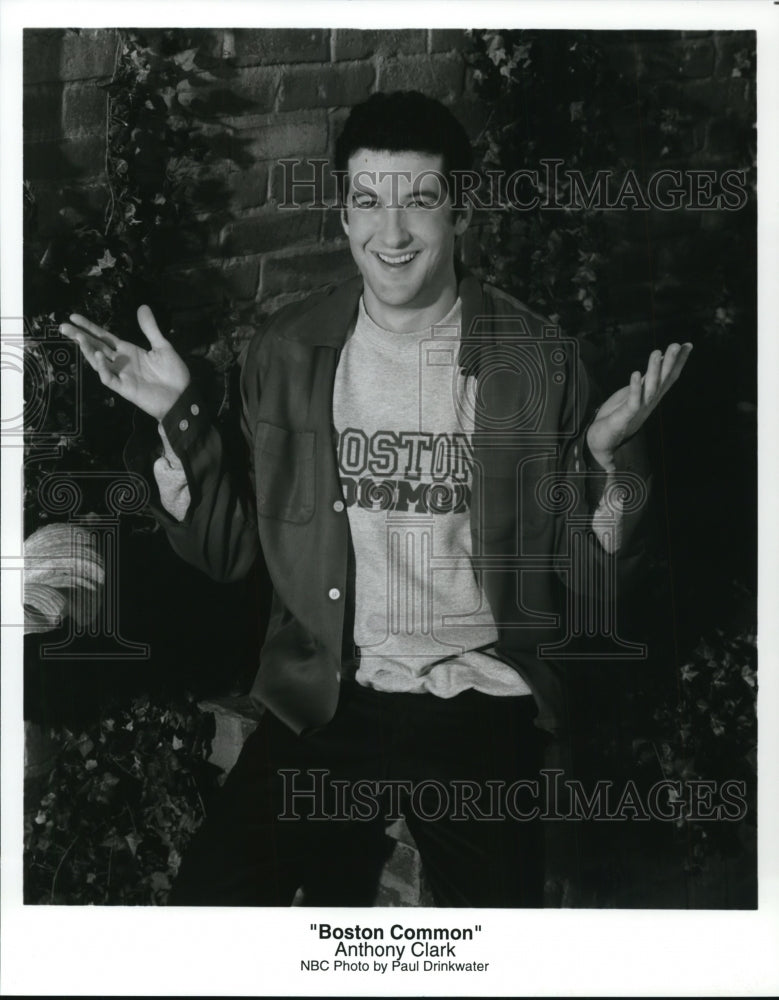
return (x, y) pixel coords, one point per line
(187, 422)
(183, 428)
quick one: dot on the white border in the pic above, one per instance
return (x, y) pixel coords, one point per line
(147, 951)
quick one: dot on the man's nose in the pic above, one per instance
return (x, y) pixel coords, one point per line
(393, 230)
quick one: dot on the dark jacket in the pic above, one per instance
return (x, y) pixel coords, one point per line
(532, 494)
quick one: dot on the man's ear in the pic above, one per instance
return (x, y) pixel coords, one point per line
(463, 219)
(344, 220)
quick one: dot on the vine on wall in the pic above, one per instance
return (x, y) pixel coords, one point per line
(159, 141)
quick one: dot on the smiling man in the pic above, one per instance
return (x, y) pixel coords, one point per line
(402, 234)
(410, 435)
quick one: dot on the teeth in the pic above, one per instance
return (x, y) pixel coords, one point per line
(402, 259)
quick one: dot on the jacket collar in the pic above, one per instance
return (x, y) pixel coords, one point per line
(328, 320)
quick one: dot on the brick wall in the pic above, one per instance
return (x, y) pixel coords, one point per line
(287, 97)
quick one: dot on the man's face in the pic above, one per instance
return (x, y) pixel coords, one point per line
(401, 229)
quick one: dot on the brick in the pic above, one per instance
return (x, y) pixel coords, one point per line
(325, 86)
(208, 190)
(72, 157)
(252, 90)
(40, 55)
(263, 46)
(306, 270)
(248, 188)
(303, 183)
(269, 230)
(68, 54)
(42, 111)
(336, 121)
(242, 277)
(289, 134)
(353, 43)
(83, 108)
(449, 40)
(437, 76)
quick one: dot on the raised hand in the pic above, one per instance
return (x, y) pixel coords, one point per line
(623, 413)
(153, 380)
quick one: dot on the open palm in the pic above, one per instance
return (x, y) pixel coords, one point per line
(623, 413)
(152, 380)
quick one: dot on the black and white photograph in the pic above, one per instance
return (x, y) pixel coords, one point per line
(383, 454)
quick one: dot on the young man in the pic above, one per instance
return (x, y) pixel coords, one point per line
(421, 448)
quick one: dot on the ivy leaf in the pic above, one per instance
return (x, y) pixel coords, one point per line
(115, 841)
(106, 262)
(133, 840)
(159, 881)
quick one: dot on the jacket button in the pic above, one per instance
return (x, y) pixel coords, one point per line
(183, 425)
(194, 409)
(334, 593)
(338, 506)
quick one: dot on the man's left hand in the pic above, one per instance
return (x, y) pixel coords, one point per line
(623, 413)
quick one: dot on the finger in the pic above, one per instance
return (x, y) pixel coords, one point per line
(652, 377)
(671, 354)
(97, 331)
(148, 324)
(88, 343)
(107, 377)
(675, 367)
(634, 392)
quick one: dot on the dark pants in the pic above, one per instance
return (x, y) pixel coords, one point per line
(430, 757)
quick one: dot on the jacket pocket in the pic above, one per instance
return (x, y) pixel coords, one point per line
(284, 472)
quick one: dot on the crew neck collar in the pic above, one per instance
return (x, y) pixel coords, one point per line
(367, 327)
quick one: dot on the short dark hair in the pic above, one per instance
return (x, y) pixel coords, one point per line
(405, 120)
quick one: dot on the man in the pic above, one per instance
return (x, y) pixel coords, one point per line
(419, 448)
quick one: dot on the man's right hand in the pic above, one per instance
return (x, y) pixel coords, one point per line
(153, 380)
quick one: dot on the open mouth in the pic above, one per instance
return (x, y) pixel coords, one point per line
(397, 259)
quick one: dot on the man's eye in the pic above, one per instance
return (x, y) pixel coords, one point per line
(364, 201)
(422, 201)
